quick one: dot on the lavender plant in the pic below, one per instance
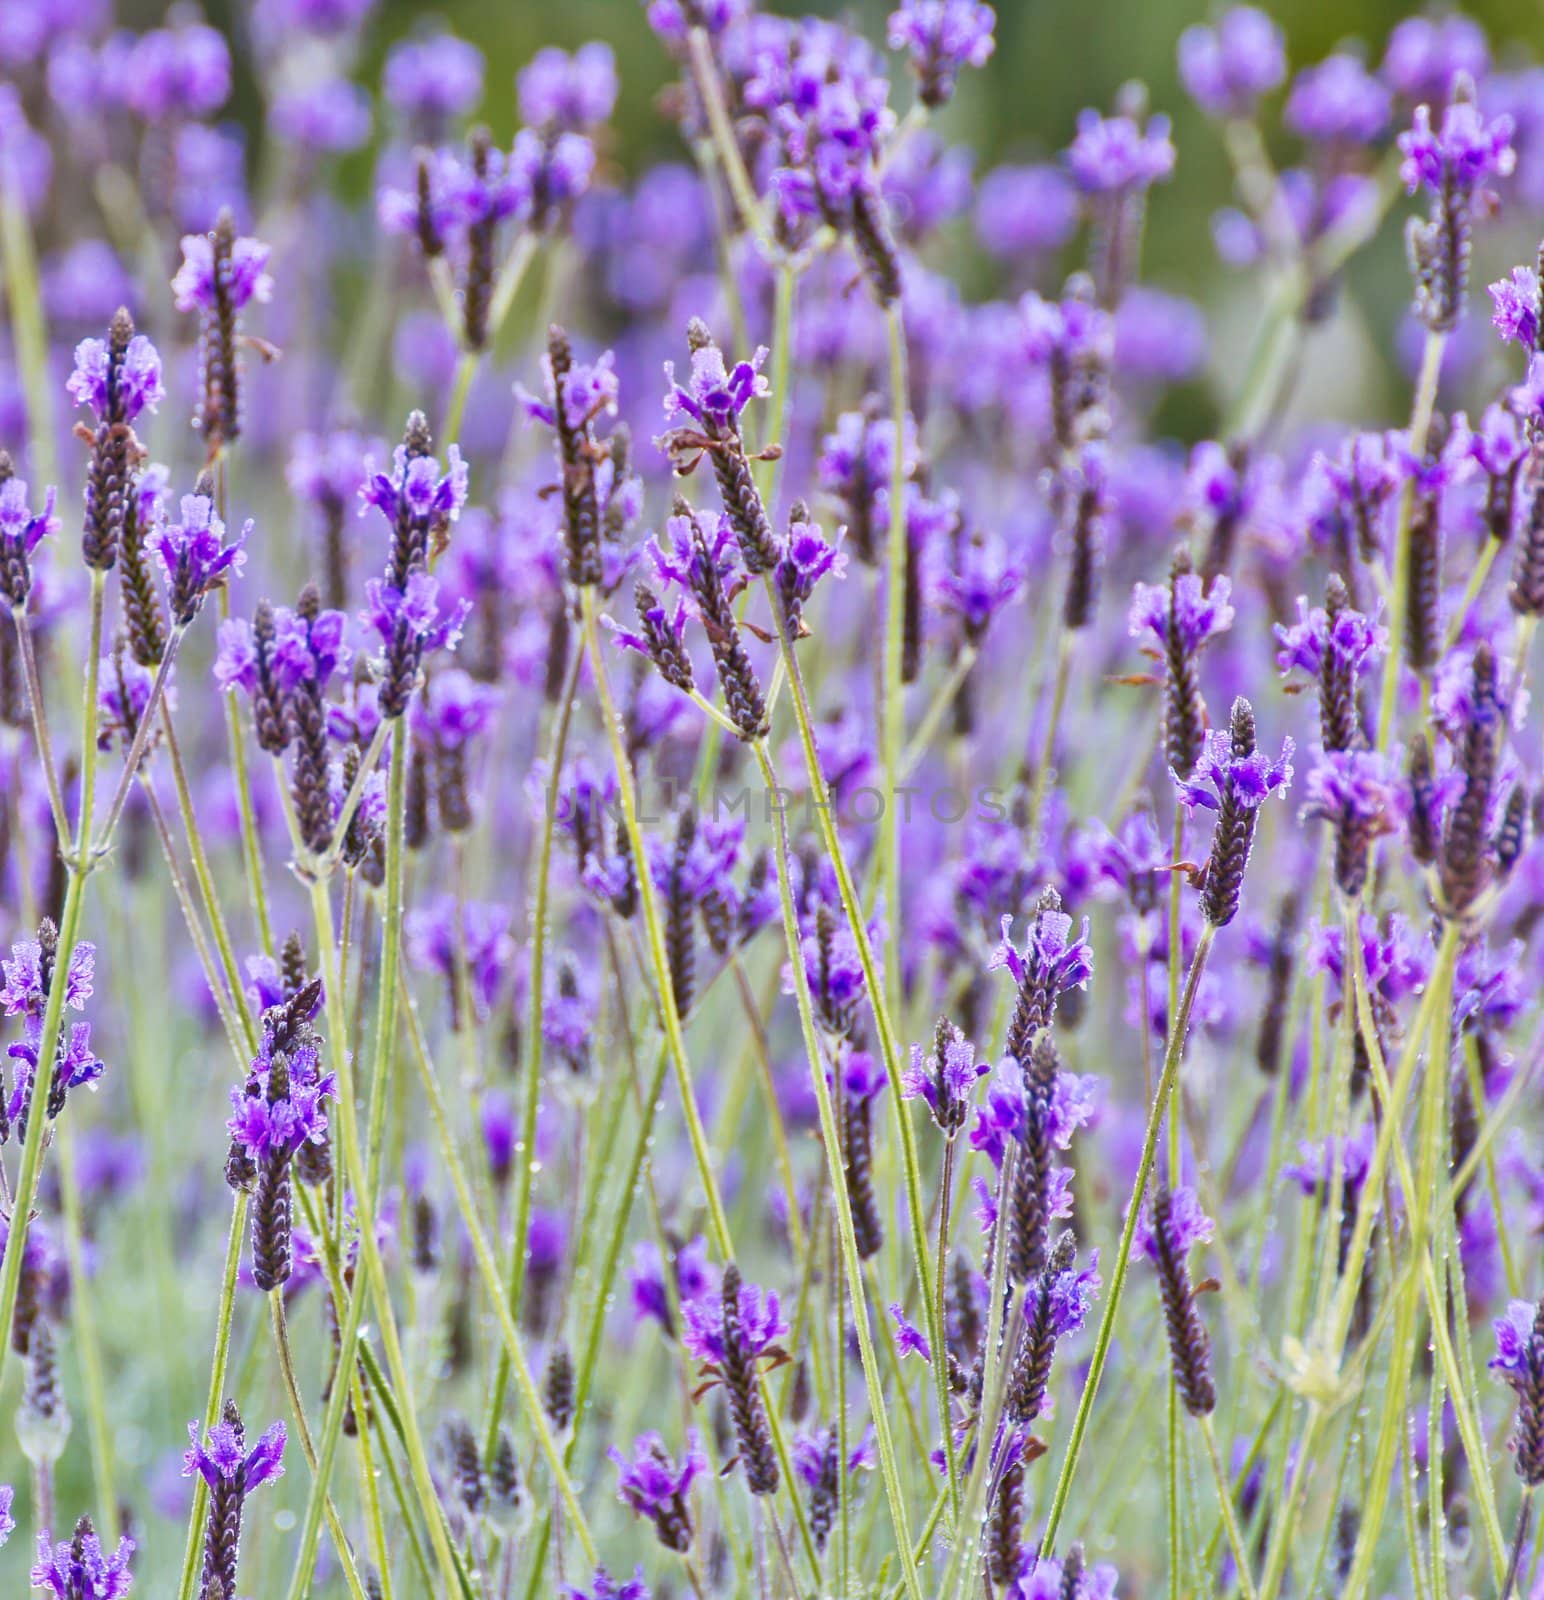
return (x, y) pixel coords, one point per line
(639, 973)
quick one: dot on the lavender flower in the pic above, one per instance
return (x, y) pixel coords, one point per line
(1453, 164)
(232, 1472)
(1338, 102)
(817, 1459)
(21, 531)
(195, 556)
(1227, 69)
(410, 624)
(1519, 1358)
(731, 1335)
(655, 1488)
(713, 401)
(1051, 963)
(1358, 792)
(1114, 155)
(575, 92)
(79, 1569)
(118, 379)
(220, 276)
(941, 37)
(1170, 1227)
(1516, 315)
(1333, 645)
(1232, 778)
(944, 1076)
(1056, 1306)
(1175, 621)
(415, 497)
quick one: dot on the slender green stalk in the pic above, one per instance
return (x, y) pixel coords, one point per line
(24, 301)
(88, 1344)
(27, 649)
(466, 370)
(525, 1174)
(1229, 1519)
(298, 1411)
(893, 706)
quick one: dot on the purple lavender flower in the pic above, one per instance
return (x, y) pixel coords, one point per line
(79, 1569)
(1338, 102)
(410, 624)
(431, 80)
(1350, 639)
(21, 531)
(1051, 962)
(557, 90)
(942, 37)
(277, 1128)
(116, 390)
(25, 990)
(1519, 1358)
(195, 557)
(1226, 69)
(1426, 54)
(1516, 299)
(1361, 795)
(415, 497)
(182, 71)
(646, 1279)
(1025, 211)
(818, 1460)
(330, 116)
(1232, 778)
(656, 1488)
(761, 1325)
(438, 935)
(1195, 614)
(1453, 164)
(909, 1338)
(589, 391)
(944, 1076)
(1248, 778)
(1462, 155)
(7, 1521)
(232, 1472)
(715, 395)
(203, 281)
(223, 1456)
(1114, 155)
(604, 1587)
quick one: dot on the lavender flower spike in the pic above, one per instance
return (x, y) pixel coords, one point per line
(1172, 1224)
(232, 1472)
(1051, 962)
(1519, 1358)
(1232, 779)
(21, 531)
(79, 1569)
(1453, 163)
(220, 276)
(195, 557)
(656, 1488)
(942, 37)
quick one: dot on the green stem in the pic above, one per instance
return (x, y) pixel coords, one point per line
(25, 303)
(893, 725)
(1229, 1519)
(83, 1313)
